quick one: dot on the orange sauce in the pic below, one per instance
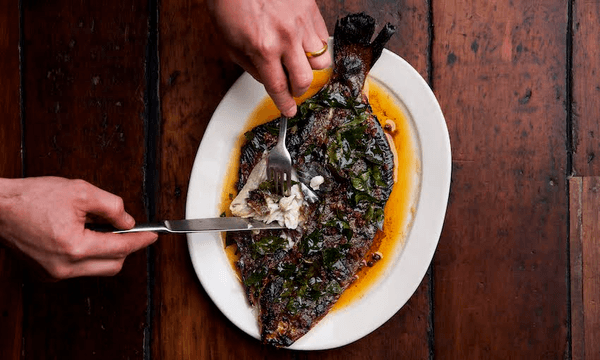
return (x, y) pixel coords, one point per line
(400, 206)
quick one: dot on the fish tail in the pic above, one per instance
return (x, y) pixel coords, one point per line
(354, 53)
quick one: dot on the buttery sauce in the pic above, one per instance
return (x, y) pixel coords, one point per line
(400, 207)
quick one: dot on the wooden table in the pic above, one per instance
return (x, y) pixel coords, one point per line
(119, 93)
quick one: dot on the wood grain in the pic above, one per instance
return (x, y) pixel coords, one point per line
(585, 266)
(404, 336)
(411, 18)
(586, 88)
(500, 271)
(576, 267)
(11, 309)
(84, 82)
(194, 77)
(407, 334)
(193, 81)
(500, 268)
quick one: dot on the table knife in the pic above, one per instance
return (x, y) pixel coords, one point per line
(193, 226)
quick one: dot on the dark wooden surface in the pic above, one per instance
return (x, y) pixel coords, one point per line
(501, 265)
(119, 93)
(11, 301)
(585, 266)
(586, 88)
(84, 79)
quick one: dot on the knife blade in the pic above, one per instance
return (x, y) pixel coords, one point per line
(193, 226)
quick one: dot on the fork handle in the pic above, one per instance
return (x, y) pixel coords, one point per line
(282, 129)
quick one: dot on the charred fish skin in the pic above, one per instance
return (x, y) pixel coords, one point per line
(354, 53)
(294, 277)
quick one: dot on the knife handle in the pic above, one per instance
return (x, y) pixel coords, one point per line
(107, 228)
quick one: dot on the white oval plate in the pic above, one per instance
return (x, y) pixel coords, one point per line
(403, 276)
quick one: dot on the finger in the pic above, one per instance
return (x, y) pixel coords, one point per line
(97, 201)
(98, 267)
(321, 61)
(276, 85)
(114, 246)
(314, 39)
(320, 26)
(299, 70)
(246, 64)
(313, 43)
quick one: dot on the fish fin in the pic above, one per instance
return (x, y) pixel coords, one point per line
(354, 53)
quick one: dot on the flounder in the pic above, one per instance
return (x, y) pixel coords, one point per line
(344, 176)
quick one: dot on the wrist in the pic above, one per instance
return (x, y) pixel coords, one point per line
(9, 194)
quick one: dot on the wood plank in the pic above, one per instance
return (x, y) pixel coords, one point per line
(11, 308)
(576, 266)
(585, 265)
(586, 88)
(499, 271)
(187, 325)
(407, 334)
(411, 18)
(84, 82)
(591, 265)
(192, 83)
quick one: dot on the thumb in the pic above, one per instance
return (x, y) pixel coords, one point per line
(109, 206)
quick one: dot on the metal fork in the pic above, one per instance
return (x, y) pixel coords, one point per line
(279, 162)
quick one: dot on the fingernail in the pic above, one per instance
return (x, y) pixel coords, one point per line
(129, 219)
(290, 112)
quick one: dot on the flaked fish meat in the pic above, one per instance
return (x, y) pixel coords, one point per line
(344, 174)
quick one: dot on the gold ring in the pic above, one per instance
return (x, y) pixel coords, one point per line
(318, 52)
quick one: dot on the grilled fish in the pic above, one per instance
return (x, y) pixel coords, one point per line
(344, 176)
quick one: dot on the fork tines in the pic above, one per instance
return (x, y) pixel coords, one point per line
(281, 180)
(279, 162)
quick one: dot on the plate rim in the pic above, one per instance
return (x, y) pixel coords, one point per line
(437, 140)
